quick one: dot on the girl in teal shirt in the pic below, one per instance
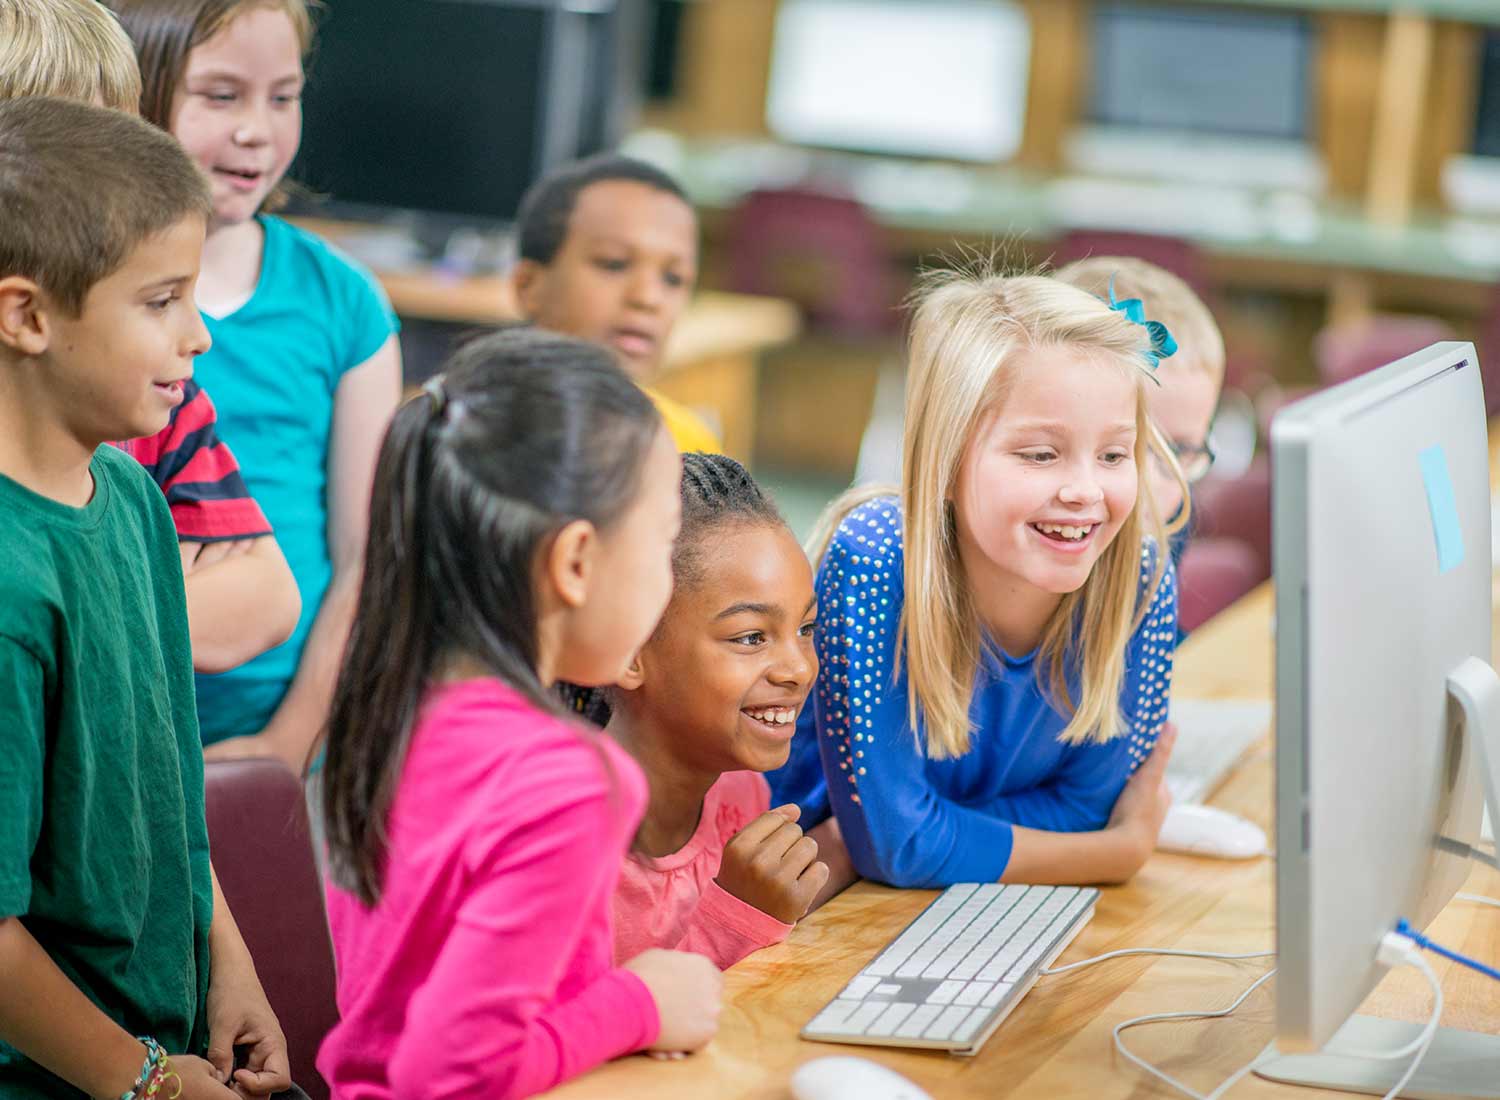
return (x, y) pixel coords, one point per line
(305, 366)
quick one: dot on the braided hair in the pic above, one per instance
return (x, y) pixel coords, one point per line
(716, 490)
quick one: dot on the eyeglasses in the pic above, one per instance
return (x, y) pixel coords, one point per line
(1193, 459)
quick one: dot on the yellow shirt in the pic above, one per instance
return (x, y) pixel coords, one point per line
(687, 428)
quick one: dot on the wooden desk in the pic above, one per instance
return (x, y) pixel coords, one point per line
(1057, 1044)
(711, 362)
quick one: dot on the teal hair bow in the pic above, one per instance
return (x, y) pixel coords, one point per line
(1162, 343)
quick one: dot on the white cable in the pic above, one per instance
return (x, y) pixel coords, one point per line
(1156, 951)
(1478, 899)
(1397, 950)
(1429, 1033)
(1161, 1075)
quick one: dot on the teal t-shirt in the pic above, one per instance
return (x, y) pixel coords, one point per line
(103, 846)
(274, 368)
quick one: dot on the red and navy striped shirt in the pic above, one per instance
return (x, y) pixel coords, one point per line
(199, 475)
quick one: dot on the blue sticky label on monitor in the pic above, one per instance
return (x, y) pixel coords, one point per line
(1443, 508)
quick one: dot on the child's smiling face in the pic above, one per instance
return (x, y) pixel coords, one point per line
(1050, 474)
(623, 275)
(238, 109)
(732, 662)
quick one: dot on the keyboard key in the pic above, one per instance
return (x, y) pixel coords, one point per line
(917, 1022)
(834, 1015)
(891, 1019)
(887, 991)
(1043, 943)
(860, 986)
(863, 1016)
(944, 993)
(970, 1027)
(973, 993)
(945, 1025)
(998, 993)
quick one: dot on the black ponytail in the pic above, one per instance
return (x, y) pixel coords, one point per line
(523, 433)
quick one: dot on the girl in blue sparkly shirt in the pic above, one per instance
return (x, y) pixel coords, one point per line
(996, 639)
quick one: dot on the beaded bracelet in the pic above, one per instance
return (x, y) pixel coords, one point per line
(155, 1071)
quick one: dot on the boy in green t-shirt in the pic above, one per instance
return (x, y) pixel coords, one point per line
(116, 947)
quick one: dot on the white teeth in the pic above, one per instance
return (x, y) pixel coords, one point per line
(1065, 530)
(773, 716)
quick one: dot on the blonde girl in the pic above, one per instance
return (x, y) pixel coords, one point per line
(996, 641)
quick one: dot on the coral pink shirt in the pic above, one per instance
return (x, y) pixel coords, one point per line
(674, 902)
(484, 969)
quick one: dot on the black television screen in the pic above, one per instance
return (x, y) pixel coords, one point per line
(435, 105)
(1202, 69)
(1487, 116)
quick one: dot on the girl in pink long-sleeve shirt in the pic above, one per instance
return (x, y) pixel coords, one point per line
(708, 704)
(521, 528)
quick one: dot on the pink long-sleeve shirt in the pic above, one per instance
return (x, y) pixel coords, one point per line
(673, 901)
(484, 970)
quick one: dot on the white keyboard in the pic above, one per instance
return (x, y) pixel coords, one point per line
(956, 972)
(1212, 737)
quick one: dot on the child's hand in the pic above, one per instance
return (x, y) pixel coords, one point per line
(688, 991)
(240, 1016)
(769, 864)
(200, 1081)
(1143, 804)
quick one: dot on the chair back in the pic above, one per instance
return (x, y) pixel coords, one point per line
(262, 851)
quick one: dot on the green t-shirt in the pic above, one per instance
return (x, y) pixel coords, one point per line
(103, 846)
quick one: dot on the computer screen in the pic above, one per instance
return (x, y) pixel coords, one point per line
(1204, 69)
(1382, 560)
(930, 78)
(444, 106)
(1487, 115)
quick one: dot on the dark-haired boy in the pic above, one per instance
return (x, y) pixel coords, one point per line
(609, 253)
(112, 926)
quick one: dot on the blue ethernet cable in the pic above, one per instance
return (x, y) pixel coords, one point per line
(1404, 928)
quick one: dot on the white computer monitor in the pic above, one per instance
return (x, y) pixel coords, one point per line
(926, 78)
(1387, 705)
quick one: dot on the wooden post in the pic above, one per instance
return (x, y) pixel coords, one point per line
(1405, 67)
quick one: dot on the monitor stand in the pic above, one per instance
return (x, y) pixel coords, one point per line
(1460, 1065)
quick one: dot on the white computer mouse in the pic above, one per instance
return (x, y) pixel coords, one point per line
(1206, 831)
(846, 1078)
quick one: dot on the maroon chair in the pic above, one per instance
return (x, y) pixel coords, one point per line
(821, 250)
(1214, 573)
(262, 852)
(1489, 355)
(1238, 508)
(1345, 351)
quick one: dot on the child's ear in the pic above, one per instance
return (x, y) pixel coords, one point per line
(526, 284)
(24, 323)
(568, 567)
(634, 676)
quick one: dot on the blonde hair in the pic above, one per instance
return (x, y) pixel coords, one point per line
(1167, 299)
(968, 332)
(70, 49)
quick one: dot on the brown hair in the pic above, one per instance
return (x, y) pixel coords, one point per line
(81, 187)
(165, 32)
(1167, 299)
(73, 49)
